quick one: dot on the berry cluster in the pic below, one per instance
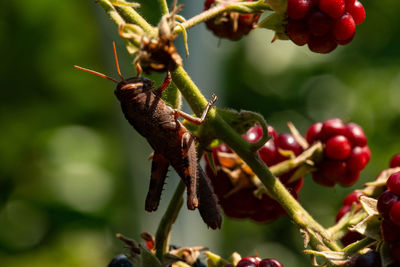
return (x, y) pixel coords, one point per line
(345, 152)
(348, 202)
(120, 261)
(323, 24)
(257, 262)
(389, 207)
(234, 184)
(230, 25)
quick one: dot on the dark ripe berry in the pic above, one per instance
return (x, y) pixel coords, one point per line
(298, 32)
(393, 183)
(249, 262)
(322, 44)
(120, 261)
(240, 205)
(344, 28)
(395, 161)
(334, 170)
(269, 263)
(357, 11)
(298, 9)
(332, 127)
(319, 178)
(350, 238)
(286, 141)
(337, 147)
(320, 24)
(334, 8)
(359, 158)
(369, 259)
(342, 211)
(390, 231)
(395, 250)
(313, 132)
(253, 134)
(386, 201)
(353, 197)
(267, 152)
(356, 134)
(394, 213)
(349, 178)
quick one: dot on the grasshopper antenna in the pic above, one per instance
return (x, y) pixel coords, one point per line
(103, 75)
(116, 62)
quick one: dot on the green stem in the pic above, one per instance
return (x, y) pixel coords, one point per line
(163, 6)
(164, 227)
(357, 246)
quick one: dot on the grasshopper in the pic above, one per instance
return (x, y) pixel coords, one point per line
(172, 142)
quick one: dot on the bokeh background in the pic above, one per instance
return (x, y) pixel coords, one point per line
(73, 172)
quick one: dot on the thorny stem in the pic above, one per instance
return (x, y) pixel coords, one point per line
(164, 227)
(224, 132)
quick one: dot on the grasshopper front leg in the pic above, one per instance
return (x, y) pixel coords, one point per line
(159, 169)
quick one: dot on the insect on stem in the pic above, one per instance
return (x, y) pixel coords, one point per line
(116, 62)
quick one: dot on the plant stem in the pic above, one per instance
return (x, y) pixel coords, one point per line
(164, 227)
(363, 243)
(163, 6)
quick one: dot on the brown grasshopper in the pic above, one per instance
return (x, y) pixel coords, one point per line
(172, 142)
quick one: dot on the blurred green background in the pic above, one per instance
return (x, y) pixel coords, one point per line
(73, 172)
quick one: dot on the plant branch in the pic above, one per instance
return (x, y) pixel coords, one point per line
(164, 227)
(223, 131)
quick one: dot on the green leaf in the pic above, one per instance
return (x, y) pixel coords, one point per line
(240, 121)
(279, 6)
(148, 258)
(369, 227)
(276, 22)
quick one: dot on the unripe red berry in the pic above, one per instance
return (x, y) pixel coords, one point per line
(386, 201)
(344, 28)
(334, 8)
(349, 178)
(313, 132)
(359, 158)
(267, 152)
(395, 161)
(357, 11)
(356, 134)
(332, 127)
(394, 213)
(298, 9)
(298, 32)
(349, 2)
(320, 24)
(342, 211)
(393, 183)
(337, 147)
(353, 197)
(269, 263)
(322, 44)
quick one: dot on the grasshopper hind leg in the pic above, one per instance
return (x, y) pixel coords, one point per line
(159, 169)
